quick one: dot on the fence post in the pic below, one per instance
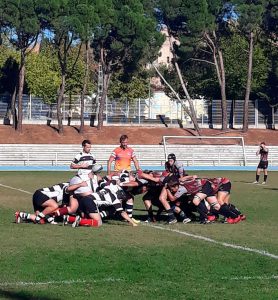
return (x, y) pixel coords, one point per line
(273, 118)
(106, 104)
(256, 114)
(30, 107)
(139, 112)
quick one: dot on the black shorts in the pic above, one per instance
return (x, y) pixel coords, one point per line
(207, 189)
(226, 187)
(38, 199)
(153, 195)
(87, 204)
(263, 164)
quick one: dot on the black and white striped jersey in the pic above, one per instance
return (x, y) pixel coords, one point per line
(92, 184)
(110, 195)
(87, 158)
(57, 192)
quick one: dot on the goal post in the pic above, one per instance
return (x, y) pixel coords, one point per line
(226, 150)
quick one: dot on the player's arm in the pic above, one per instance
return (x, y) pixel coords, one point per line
(75, 165)
(170, 196)
(136, 163)
(74, 186)
(143, 175)
(109, 163)
(187, 177)
(131, 184)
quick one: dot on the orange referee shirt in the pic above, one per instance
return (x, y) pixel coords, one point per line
(123, 158)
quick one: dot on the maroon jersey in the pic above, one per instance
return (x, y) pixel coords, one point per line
(264, 154)
(193, 186)
(216, 183)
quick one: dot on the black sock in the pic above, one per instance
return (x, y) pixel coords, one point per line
(265, 178)
(202, 210)
(257, 177)
(170, 213)
(226, 212)
(234, 209)
(214, 212)
(150, 212)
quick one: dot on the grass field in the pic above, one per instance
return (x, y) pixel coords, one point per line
(117, 261)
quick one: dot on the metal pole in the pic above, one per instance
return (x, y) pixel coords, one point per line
(30, 107)
(139, 111)
(256, 114)
(244, 153)
(106, 104)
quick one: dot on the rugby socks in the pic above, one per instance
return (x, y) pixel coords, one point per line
(226, 212)
(170, 214)
(234, 209)
(202, 210)
(71, 219)
(40, 218)
(89, 222)
(129, 209)
(265, 178)
(257, 177)
(104, 214)
(61, 211)
(150, 212)
(85, 222)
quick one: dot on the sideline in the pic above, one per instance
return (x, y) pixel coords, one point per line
(203, 238)
(77, 281)
(12, 188)
(240, 278)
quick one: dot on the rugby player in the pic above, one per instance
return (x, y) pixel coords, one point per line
(263, 164)
(45, 201)
(84, 160)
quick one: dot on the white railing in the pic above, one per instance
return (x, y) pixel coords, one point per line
(148, 155)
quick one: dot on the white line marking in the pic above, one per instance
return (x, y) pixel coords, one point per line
(200, 237)
(251, 278)
(12, 188)
(53, 282)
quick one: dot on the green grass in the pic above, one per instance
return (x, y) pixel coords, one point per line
(118, 261)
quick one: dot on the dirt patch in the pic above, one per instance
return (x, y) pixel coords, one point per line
(42, 134)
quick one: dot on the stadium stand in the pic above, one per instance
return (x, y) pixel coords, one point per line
(148, 155)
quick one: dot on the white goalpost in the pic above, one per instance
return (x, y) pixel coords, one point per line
(206, 150)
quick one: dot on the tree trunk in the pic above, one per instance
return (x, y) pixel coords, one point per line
(248, 83)
(20, 91)
(191, 106)
(106, 80)
(59, 104)
(223, 91)
(192, 114)
(13, 102)
(220, 71)
(84, 89)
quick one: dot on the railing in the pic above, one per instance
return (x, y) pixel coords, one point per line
(146, 155)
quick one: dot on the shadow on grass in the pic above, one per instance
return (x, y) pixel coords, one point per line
(5, 294)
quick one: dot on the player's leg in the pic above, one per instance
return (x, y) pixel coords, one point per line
(70, 209)
(265, 172)
(163, 199)
(258, 172)
(89, 208)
